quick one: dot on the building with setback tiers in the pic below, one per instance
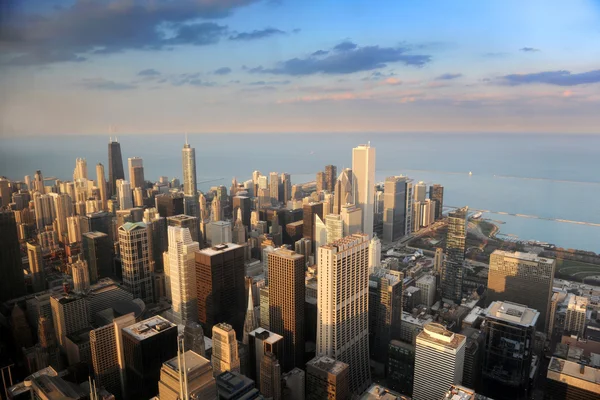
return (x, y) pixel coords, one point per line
(286, 304)
(342, 304)
(146, 346)
(225, 349)
(327, 378)
(439, 360)
(220, 286)
(522, 278)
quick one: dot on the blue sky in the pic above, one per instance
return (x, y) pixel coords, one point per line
(78, 66)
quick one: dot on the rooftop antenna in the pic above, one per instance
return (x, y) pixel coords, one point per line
(186, 138)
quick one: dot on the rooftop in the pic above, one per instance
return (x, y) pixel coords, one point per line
(219, 249)
(523, 256)
(348, 241)
(378, 392)
(95, 234)
(148, 328)
(286, 253)
(438, 334)
(420, 319)
(458, 392)
(426, 279)
(512, 312)
(577, 374)
(180, 217)
(262, 333)
(233, 382)
(129, 226)
(81, 336)
(193, 362)
(578, 303)
(328, 364)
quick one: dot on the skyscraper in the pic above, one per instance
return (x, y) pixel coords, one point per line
(385, 310)
(225, 349)
(270, 377)
(169, 204)
(577, 314)
(98, 252)
(12, 279)
(81, 171)
(363, 171)
(261, 341)
(36, 266)
(327, 378)
(523, 278)
(220, 286)
(69, 314)
(453, 268)
(420, 191)
(189, 373)
(188, 156)
(310, 211)
(63, 208)
(286, 304)
(182, 273)
(436, 193)
(321, 183)
(242, 203)
(146, 346)
(136, 172)
(186, 221)
(374, 253)
(394, 208)
(101, 182)
(343, 294)
(5, 198)
(125, 195)
(135, 260)
(286, 182)
(509, 331)
(335, 227)
(44, 210)
(330, 177)
(439, 360)
(115, 165)
(568, 380)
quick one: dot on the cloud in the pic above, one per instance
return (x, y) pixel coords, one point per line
(104, 27)
(296, 30)
(347, 61)
(345, 46)
(148, 72)
(259, 83)
(222, 71)
(257, 34)
(260, 89)
(559, 78)
(377, 76)
(104, 84)
(392, 82)
(320, 53)
(447, 77)
(529, 49)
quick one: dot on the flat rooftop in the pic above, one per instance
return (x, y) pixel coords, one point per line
(438, 334)
(287, 253)
(575, 374)
(272, 338)
(378, 392)
(523, 256)
(219, 248)
(193, 362)
(512, 312)
(328, 364)
(149, 327)
(345, 242)
(95, 234)
(419, 320)
(458, 392)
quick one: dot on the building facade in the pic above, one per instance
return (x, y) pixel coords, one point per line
(453, 268)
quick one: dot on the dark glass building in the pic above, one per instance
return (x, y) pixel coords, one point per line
(436, 193)
(309, 211)
(146, 346)
(330, 177)
(242, 203)
(169, 204)
(394, 208)
(400, 367)
(99, 222)
(115, 166)
(221, 286)
(453, 268)
(12, 280)
(98, 252)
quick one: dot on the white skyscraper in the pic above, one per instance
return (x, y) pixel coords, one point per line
(439, 361)
(63, 208)
(101, 183)
(80, 171)
(125, 200)
(342, 306)
(374, 253)
(363, 179)
(335, 227)
(320, 233)
(182, 274)
(420, 191)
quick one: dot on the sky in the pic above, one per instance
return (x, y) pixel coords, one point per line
(291, 66)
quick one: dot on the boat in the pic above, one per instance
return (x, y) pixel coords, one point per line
(477, 216)
(470, 173)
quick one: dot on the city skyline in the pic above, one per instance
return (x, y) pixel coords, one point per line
(188, 66)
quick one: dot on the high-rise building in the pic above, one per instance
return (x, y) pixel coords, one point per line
(286, 304)
(274, 187)
(44, 210)
(108, 358)
(169, 204)
(36, 266)
(186, 221)
(363, 171)
(115, 165)
(286, 182)
(270, 377)
(5, 197)
(473, 357)
(261, 341)
(426, 284)
(522, 278)
(327, 378)
(408, 214)
(219, 232)
(264, 308)
(420, 191)
(135, 260)
(438, 260)
(394, 208)
(576, 316)
(351, 219)
(320, 233)
(330, 177)
(569, 380)
(98, 252)
(188, 156)
(38, 182)
(225, 349)
(146, 346)
(385, 310)
(220, 286)
(70, 313)
(335, 227)
(509, 331)
(125, 195)
(343, 295)
(321, 182)
(81, 276)
(187, 376)
(311, 210)
(242, 203)
(136, 172)
(401, 366)
(345, 191)
(101, 183)
(101, 222)
(63, 208)
(453, 269)
(182, 274)
(439, 360)
(374, 253)
(436, 193)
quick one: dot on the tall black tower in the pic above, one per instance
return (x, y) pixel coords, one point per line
(115, 165)
(12, 281)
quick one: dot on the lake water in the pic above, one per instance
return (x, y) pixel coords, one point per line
(551, 176)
